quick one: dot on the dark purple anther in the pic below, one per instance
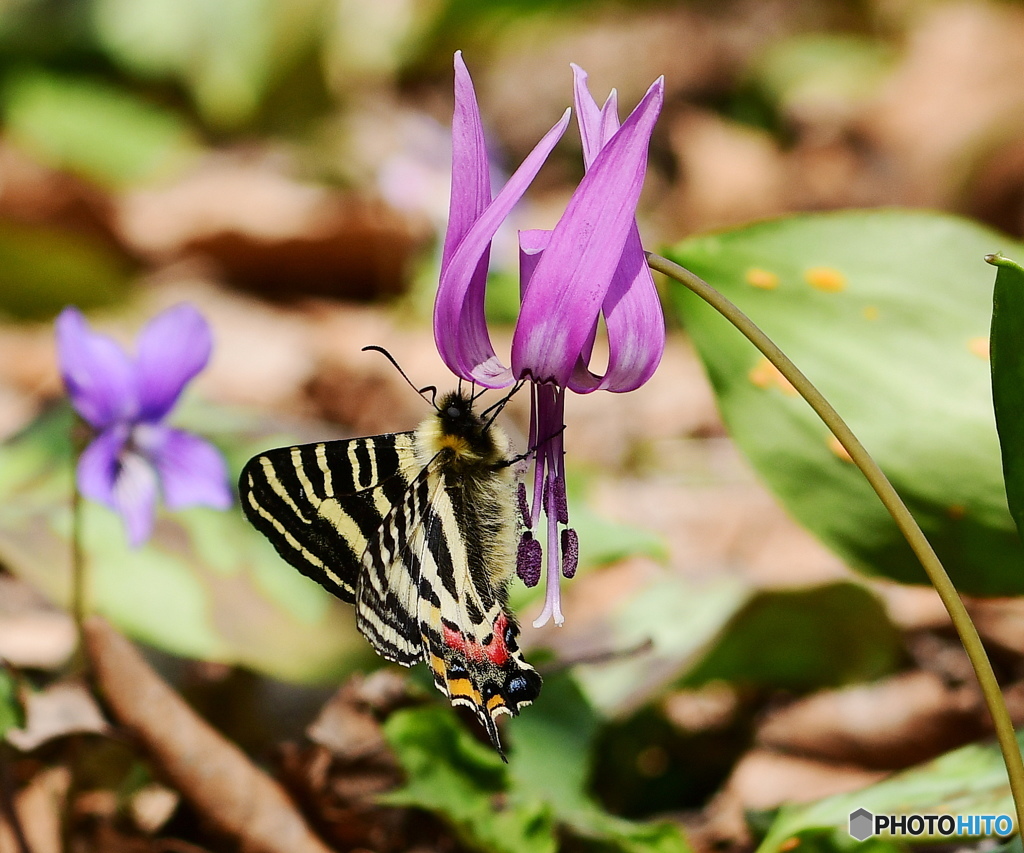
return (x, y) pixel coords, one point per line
(528, 560)
(570, 552)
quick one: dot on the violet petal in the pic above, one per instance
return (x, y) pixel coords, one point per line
(135, 492)
(574, 273)
(172, 348)
(191, 470)
(99, 464)
(98, 375)
(112, 474)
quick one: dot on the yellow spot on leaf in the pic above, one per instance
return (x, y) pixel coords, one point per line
(870, 312)
(825, 278)
(979, 346)
(762, 278)
(764, 374)
(956, 511)
(837, 448)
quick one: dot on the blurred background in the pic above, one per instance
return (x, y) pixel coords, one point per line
(283, 165)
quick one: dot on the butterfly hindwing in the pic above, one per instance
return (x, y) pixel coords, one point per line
(389, 588)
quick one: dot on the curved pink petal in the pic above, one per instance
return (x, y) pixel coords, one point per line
(460, 327)
(635, 325)
(632, 310)
(597, 124)
(98, 375)
(191, 470)
(172, 348)
(532, 244)
(573, 276)
(471, 177)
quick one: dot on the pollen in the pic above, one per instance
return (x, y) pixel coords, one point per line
(956, 511)
(826, 279)
(765, 375)
(764, 279)
(837, 448)
(979, 347)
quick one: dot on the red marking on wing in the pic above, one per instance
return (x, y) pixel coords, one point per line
(495, 649)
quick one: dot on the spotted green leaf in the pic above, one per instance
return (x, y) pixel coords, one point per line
(888, 313)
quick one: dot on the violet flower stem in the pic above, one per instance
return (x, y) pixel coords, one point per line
(915, 537)
(78, 570)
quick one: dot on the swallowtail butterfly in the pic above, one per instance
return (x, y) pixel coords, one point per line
(418, 530)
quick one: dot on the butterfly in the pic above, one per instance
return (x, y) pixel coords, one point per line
(418, 531)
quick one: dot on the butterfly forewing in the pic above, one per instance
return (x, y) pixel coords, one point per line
(320, 504)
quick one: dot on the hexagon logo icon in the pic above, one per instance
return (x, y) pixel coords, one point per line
(862, 824)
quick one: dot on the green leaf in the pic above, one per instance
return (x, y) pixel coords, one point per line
(551, 762)
(12, 712)
(662, 628)
(543, 788)
(969, 780)
(822, 68)
(689, 634)
(1007, 357)
(42, 270)
(207, 585)
(888, 314)
(804, 639)
(106, 134)
(229, 78)
(459, 778)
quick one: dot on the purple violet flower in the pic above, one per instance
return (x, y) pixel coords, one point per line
(591, 264)
(134, 454)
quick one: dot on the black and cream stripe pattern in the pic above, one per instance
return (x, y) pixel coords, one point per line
(417, 530)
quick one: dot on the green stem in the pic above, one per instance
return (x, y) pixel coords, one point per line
(893, 503)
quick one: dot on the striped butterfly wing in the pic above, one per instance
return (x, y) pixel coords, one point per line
(466, 635)
(321, 504)
(371, 523)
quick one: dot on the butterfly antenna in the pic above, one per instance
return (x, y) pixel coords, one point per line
(497, 407)
(421, 391)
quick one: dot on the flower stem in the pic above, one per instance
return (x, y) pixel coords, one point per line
(79, 579)
(893, 503)
(77, 567)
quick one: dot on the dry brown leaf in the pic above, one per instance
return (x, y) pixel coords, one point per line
(61, 709)
(765, 780)
(38, 639)
(890, 724)
(267, 231)
(38, 808)
(214, 775)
